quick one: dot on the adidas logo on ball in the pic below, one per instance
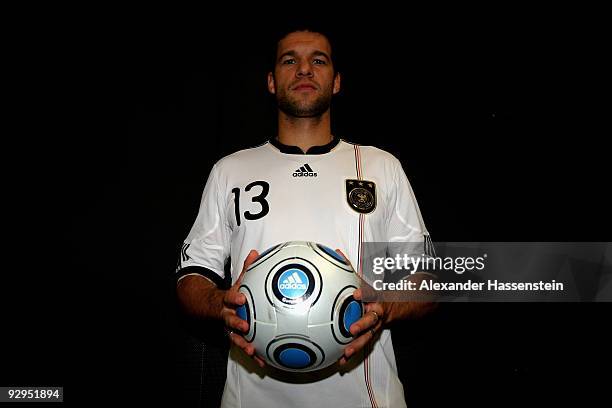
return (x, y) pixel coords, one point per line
(292, 285)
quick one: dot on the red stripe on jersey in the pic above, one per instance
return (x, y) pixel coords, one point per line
(356, 162)
(366, 363)
(366, 369)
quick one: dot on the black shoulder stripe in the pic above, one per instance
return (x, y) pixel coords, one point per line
(184, 255)
(202, 271)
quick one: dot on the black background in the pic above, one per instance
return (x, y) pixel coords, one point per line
(498, 117)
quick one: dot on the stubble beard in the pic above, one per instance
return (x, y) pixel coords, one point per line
(297, 108)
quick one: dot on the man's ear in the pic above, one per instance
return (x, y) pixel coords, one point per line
(271, 83)
(337, 81)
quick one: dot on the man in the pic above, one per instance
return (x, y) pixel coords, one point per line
(305, 185)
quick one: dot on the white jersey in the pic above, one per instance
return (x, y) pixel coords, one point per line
(339, 195)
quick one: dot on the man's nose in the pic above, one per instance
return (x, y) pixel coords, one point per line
(304, 69)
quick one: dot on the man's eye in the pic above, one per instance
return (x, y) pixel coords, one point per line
(289, 61)
(319, 61)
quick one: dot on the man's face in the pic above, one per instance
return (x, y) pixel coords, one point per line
(303, 79)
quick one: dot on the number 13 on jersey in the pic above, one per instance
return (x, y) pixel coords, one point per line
(264, 189)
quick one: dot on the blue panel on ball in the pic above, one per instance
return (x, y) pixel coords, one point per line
(241, 312)
(333, 254)
(351, 314)
(294, 358)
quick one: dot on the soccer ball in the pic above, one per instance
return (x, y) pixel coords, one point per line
(300, 305)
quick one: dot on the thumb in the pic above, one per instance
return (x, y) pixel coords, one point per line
(253, 254)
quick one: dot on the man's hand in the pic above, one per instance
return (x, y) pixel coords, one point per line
(379, 314)
(366, 328)
(235, 325)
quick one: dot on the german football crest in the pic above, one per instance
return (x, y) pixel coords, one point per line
(361, 195)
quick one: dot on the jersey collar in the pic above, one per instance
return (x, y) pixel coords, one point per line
(313, 150)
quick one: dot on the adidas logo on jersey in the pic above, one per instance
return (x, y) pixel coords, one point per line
(293, 282)
(305, 171)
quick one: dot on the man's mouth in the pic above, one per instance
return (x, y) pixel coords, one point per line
(304, 87)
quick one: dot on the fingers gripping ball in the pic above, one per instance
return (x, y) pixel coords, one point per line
(300, 305)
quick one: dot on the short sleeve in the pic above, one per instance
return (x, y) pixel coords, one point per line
(406, 232)
(405, 220)
(207, 246)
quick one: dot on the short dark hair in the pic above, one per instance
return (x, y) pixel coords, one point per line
(287, 29)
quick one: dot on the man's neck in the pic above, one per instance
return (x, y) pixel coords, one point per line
(304, 132)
